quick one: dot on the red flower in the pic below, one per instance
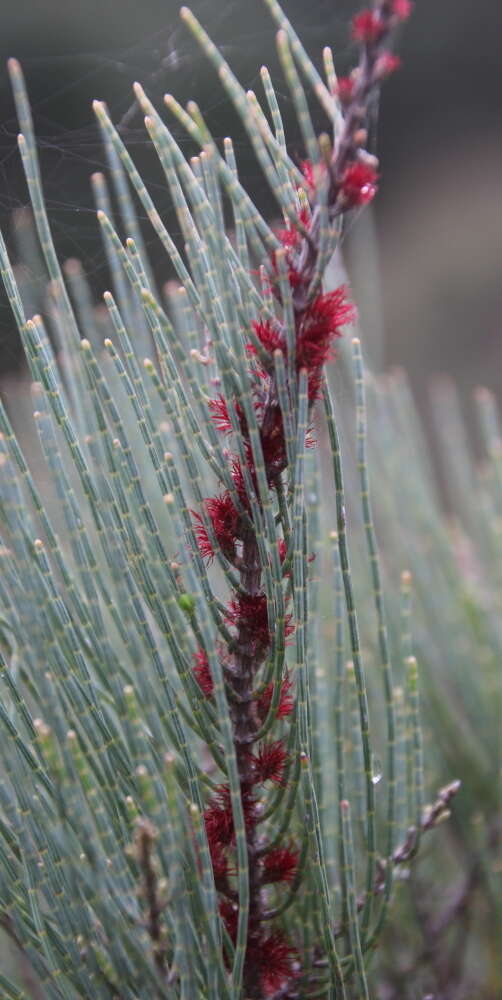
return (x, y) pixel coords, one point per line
(269, 762)
(229, 913)
(274, 957)
(367, 27)
(280, 864)
(345, 88)
(286, 701)
(202, 673)
(359, 184)
(203, 541)
(270, 337)
(221, 417)
(272, 442)
(321, 324)
(401, 9)
(248, 613)
(291, 236)
(315, 381)
(219, 413)
(294, 276)
(225, 521)
(218, 817)
(238, 478)
(387, 64)
(307, 169)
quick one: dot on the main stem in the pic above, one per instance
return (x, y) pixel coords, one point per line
(246, 725)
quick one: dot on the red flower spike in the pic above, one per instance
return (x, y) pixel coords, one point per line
(269, 762)
(202, 673)
(367, 27)
(280, 865)
(359, 184)
(225, 521)
(286, 701)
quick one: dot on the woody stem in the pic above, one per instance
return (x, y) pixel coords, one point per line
(246, 725)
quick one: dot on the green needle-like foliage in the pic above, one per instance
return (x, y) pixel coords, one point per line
(211, 745)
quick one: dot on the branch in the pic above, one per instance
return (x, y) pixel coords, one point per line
(146, 834)
(433, 815)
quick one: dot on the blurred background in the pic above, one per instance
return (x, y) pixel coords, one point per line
(437, 220)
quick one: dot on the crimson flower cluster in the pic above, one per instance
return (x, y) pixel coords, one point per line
(224, 527)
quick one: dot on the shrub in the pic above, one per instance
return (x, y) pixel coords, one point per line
(189, 801)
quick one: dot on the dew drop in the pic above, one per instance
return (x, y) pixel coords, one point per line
(376, 769)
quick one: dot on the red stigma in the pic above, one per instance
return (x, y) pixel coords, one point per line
(229, 913)
(387, 64)
(345, 88)
(280, 865)
(219, 414)
(321, 324)
(367, 27)
(402, 9)
(270, 337)
(248, 612)
(202, 673)
(274, 956)
(286, 700)
(269, 762)
(359, 184)
(225, 522)
(218, 817)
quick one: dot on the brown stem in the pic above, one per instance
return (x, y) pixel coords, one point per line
(405, 852)
(145, 839)
(246, 725)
